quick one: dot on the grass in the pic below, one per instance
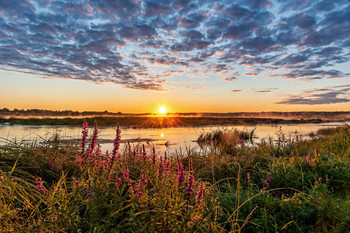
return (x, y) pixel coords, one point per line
(226, 137)
(288, 185)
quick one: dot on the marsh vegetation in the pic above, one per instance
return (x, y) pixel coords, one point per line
(290, 185)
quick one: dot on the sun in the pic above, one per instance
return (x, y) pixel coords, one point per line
(162, 110)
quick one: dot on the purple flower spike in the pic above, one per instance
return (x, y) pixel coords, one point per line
(116, 142)
(52, 162)
(199, 195)
(115, 154)
(160, 171)
(84, 134)
(180, 174)
(92, 141)
(39, 185)
(143, 153)
(154, 156)
(309, 161)
(140, 185)
(189, 189)
(126, 175)
(119, 181)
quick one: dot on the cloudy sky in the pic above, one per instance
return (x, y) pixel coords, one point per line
(188, 55)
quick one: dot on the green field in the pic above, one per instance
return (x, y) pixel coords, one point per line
(288, 185)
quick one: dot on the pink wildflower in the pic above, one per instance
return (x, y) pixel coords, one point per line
(98, 151)
(189, 188)
(167, 166)
(76, 183)
(160, 171)
(126, 175)
(199, 195)
(119, 181)
(116, 144)
(93, 141)
(154, 156)
(140, 185)
(39, 185)
(196, 218)
(52, 162)
(78, 159)
(309, 161)
(143, 153)
(84, 134)
(180, 174)
(248, 177)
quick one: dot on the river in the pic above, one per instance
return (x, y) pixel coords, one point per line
(176, 138)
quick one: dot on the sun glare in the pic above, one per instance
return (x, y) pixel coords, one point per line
(162, 110)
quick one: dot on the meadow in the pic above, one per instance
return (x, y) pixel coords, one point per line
(287, 185)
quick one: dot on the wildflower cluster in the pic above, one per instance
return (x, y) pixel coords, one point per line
(39, 185)
(136, 180)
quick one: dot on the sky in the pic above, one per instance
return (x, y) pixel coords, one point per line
(135, 56)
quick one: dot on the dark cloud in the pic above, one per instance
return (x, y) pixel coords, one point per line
(259, 44)
(192, 35)
(154, 8)
(331, 95)
(232, 78)
(302, 21)
(115, 41)
(236, 90)
(193, 20)
(263, 90)
(188, 23)
(260, 3)
(238, 32)
(315, 74)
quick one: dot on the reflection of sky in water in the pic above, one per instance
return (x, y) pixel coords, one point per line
(176, 138)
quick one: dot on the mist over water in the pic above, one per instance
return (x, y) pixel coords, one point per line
(165, 139)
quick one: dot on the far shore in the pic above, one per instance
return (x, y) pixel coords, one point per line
(158, 122)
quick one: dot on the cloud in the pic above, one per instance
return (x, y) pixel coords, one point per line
(238, 32)
(263, 90)
(154, 8)
(236, 90)
(132, 42)
(193, 88)
(232, 78)
(332, 95)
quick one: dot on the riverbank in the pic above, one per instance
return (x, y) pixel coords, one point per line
(155, 122)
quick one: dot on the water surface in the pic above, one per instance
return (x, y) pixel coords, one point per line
(175, 138)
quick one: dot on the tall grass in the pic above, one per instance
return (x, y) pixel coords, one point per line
(290, 185)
